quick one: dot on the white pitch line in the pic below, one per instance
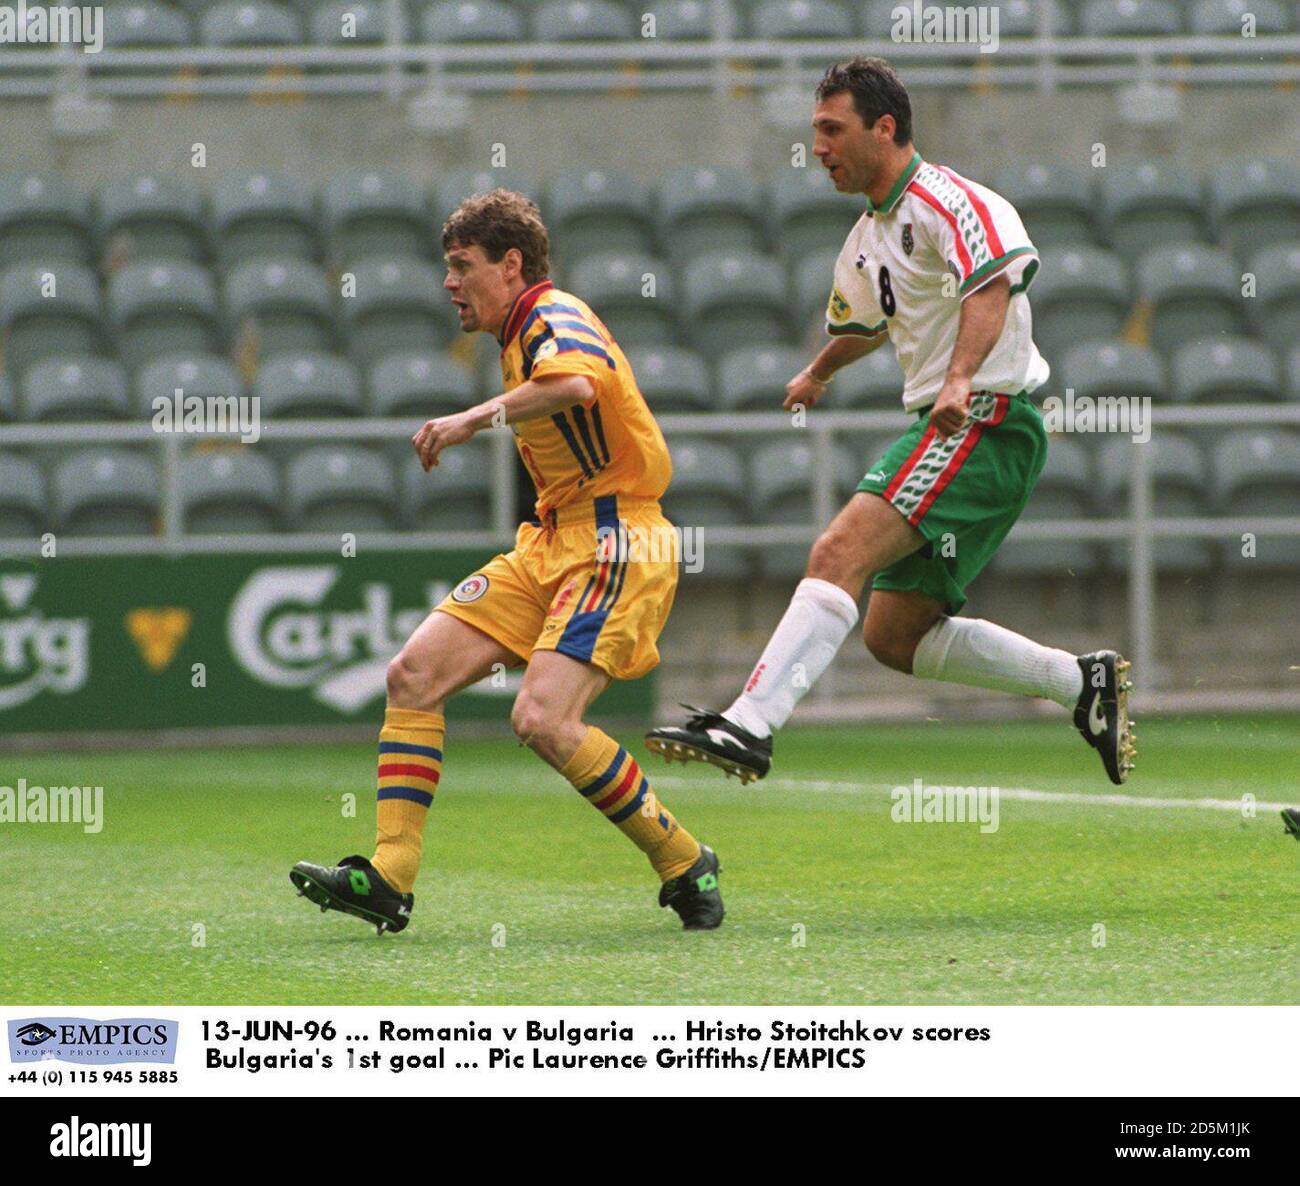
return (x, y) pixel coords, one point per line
(1023, 794)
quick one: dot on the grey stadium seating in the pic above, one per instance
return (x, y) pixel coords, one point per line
(456, 495)
(708, 490)
(1064, 491)
(375, 213)
(598, 210)
(735, 298)
(229, 491)
(614, 283)
(1256, 473)
(261, 215)
(754, 379)
(204, 376)
(1226, 370)
(709, 209)
(76, 388)
(43, 220)
(399, 304)
(105, 492)
(1180, 476)
(151, 217)
(24, 504)
(309, 384)
(672, 379)
(421, 384)
(1082, 293)
(286, 304)
(1148, 204)
(163, 307)
(1256, 203)
(49, 312)
(1276, 306)
(343, 488)
(1194, 291)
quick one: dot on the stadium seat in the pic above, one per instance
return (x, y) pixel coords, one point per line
(1064, 491)
(1225, 16)
(1257, 473)
(250, 23)
(452, 22)
(1129, 18)
(776, 20)
(456, 495)
(421, 384)
(43, 220)
(813, 277)
(672, 379)
(204, 376)
(1226, 370)
(24, 505)
(229, 491)
(689, 20)
(782, 479)
(70, 388)
(1276, 306)
(343, 488)
(735, 298)
(1055, 202)
(1149, 205)
(1256, 204)
(1019, 18)
(149, 217)
(615, 285)
(709, 209)
(375, 213)
(49, 312)
(874, 381)
(1100, 369)
(1081, 294)
(8, 400)
(1180, 478)
(1194, 292)
(307, 384)
(582, 20)
(163, 307)
(105, 492)
(281, 305)
(260, 216)
(754, 379)
(399, 304)
(146, 25)
(809, 216)
(342, 23)
(598, 210)
(708, 490)
(460, 184)
(1293, 375)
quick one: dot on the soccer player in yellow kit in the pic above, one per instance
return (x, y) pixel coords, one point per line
(581, 599)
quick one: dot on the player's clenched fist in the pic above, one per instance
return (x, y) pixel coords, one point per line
(440, 434)
(949, 411)
(804, 389)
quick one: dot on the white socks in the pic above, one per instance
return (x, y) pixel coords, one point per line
(806, 640)
(982, 655)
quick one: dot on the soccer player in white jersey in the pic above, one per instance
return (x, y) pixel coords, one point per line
(941, 266)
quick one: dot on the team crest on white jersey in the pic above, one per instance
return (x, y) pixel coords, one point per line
(908, 241)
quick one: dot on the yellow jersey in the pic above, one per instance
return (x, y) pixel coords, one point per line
(609, 444)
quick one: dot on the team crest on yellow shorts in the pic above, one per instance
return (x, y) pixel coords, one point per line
(470, 589)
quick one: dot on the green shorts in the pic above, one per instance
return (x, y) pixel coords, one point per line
(963, 494)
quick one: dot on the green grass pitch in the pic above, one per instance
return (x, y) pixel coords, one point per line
(829, 900)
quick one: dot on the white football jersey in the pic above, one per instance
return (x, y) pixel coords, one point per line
(908, 264)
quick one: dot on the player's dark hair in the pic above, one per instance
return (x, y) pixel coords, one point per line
(497, 221)
(876, 89)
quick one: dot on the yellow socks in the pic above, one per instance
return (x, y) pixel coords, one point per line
(410, 763)
(611, 781)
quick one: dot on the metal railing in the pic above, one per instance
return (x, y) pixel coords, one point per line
(1135, 524)
(720, 63)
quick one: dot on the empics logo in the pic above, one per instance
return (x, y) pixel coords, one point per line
(87, 1138)
(87, 1040)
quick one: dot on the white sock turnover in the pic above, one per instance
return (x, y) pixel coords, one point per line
(984, 655)
(814, 627)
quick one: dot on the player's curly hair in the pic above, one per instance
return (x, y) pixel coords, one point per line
(497, 221)
(876, 89)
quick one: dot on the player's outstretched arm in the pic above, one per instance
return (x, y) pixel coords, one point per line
(535, 397)
(809, 384)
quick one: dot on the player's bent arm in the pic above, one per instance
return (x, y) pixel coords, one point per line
(983, 314)
(534, 397)
(809, 384)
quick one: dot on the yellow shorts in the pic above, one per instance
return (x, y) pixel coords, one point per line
(596, 585)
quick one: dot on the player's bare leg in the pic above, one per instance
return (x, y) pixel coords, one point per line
(908, 631)
(548, 718)
(442, 656)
